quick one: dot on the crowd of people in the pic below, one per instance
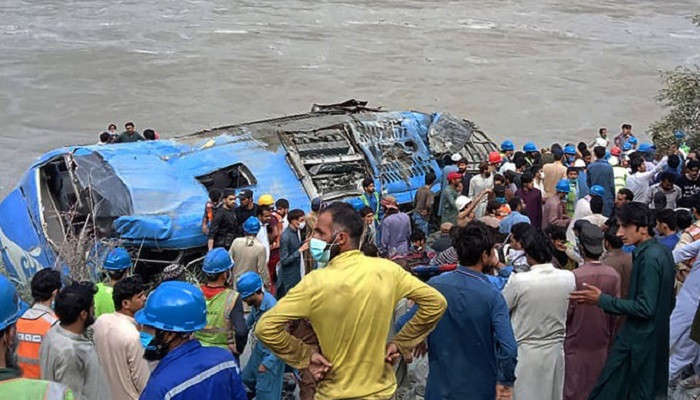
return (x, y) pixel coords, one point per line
(562, 273)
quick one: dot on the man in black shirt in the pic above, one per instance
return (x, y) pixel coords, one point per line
(689, 183)
(225, 226)
(248, 208)
(129, 135)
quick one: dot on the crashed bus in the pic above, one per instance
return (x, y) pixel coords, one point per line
(150, 196)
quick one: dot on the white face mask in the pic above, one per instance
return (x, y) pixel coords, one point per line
(302, 225)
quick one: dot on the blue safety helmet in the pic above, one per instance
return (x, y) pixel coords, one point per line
(645, 148)
(597, 190)
(174, 307)
(251, 226)
(529, 147)
(563, 186)
(632, 140)
(248, 284)
(10, 309)
(679, 134)
(117, 259)
(217, 261)
(570, 150)
(626, 147)
(507, 145)
(356, 203)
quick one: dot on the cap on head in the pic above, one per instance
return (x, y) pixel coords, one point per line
(217, 261)
(507, 145)
(245, 194)
(529, 147)
(117, 259)
(646, 148)
(248, 284)
(251, 226)
(632, 140)
(462, 201)
(591, 238)
(454, 175)
(580, 163)
(266, 200)
(494, 157)
(570, 150)
(597, 190)
(616, 151)
(174, 307)
(563, 186)
(456, 157)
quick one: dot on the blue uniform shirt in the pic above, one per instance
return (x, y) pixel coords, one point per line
(191, 371)
(473, 346)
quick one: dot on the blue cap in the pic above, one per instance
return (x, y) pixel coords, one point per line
(645, 148)
(10, 309)
(632, 140)
(248, 284)
(217, 261)
(529, 147)
(507, 145)
(117, 260)
(570, 150)
(251, 226)
(597, 190)
(626, 147)
(563, 186)
(174, 307)
(679, 134)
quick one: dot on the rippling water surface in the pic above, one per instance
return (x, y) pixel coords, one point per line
(525, 69)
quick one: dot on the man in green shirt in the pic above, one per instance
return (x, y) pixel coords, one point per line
(637, 366)
(11, 385)
(117, 264)
(448, 197)
(129, 135)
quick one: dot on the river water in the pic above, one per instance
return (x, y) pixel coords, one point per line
(537, 69)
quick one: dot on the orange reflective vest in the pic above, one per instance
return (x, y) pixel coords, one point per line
(31, 329)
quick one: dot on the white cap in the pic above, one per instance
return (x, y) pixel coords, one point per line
(599, 141)
(456, 157)
(614, 161)
(462, 201)
(579, 163)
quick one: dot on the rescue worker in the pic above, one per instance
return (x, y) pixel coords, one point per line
(225, 326)
(507, 151)
(11, 385)
(264, 372)
(35, 322)
(186, 369)
(248, 208)
(248, 253)
(530, 151)
(570, 154)
(117, 265)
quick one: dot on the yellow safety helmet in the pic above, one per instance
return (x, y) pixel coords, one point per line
(266, 200)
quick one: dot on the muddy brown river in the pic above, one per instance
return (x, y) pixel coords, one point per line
(533, 69)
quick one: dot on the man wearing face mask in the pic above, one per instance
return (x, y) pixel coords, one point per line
(67, 356)
(36, 322)
(225, 322)
(351, 291)
(292, 245)
(186, 370)
(11, 385)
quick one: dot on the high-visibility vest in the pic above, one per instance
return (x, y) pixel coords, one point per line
(21, 388)
(31, 330)
(219, 307)
(620, 174)
(104, 304)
